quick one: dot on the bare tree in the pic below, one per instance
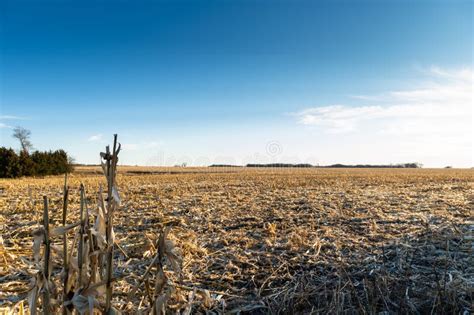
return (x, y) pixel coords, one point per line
(23, 135)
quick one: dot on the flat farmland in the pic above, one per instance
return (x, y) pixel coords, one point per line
(270, 240)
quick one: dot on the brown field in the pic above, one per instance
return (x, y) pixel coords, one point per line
(272, 241)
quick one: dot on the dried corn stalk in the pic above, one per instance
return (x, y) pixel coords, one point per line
(113, 201)
(86, 268)
(87, 261)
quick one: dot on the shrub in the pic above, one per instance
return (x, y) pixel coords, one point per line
(27, 166)
(38, 163)
(9, 163)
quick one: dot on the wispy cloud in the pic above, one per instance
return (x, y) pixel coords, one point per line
(463, 74)
(95, 138)
(441, 106)
(9, 117)
(12, 117)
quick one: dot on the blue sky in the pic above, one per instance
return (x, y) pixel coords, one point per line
(223, 81)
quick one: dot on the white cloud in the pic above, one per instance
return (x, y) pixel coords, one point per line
(464, 74)
(95, 138)
(433, 117)
(11, 117)
(337, 118)
(448, 102)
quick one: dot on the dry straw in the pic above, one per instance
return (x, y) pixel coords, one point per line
(86, 282)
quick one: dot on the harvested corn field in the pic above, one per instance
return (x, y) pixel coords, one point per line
(269, 241)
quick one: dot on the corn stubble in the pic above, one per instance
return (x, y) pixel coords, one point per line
(85, 283)
(248, 241)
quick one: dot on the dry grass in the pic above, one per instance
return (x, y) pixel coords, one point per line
(267, 241)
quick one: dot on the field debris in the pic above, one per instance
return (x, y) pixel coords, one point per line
(248, 241)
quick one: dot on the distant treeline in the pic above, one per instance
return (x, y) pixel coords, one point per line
(289, 165)
(404, 165)
(82, 164)
(35, 164)
(282, 165)
(224, 165)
